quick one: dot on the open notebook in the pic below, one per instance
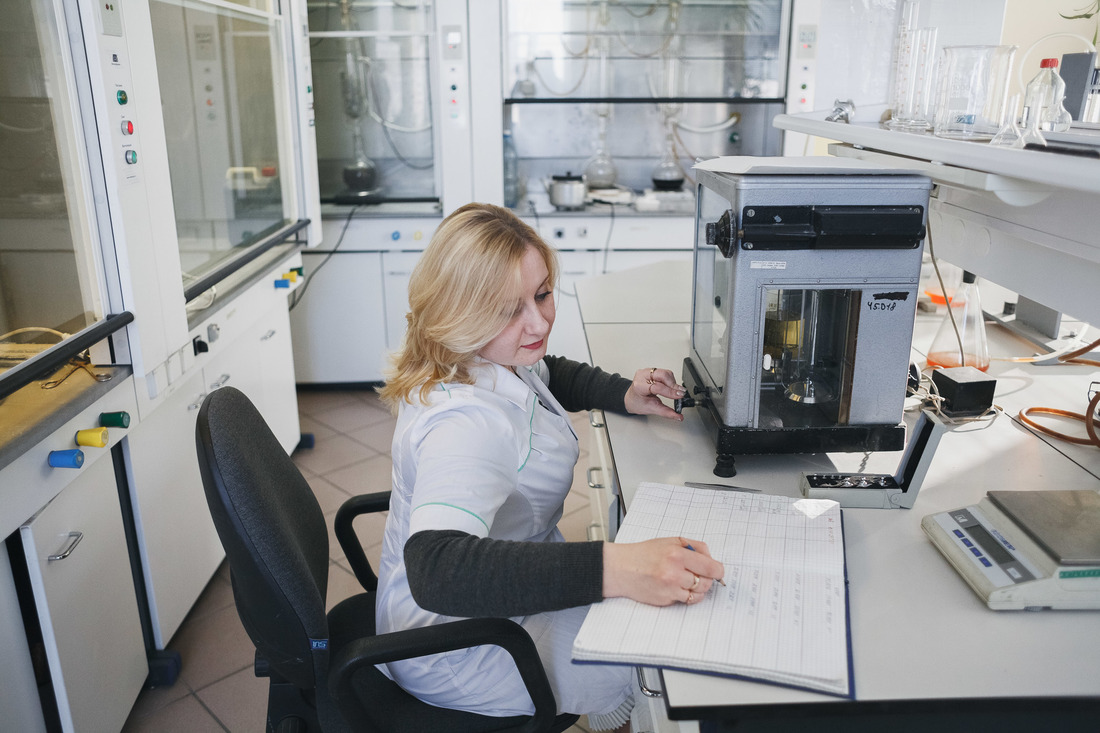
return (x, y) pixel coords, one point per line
(783, 615)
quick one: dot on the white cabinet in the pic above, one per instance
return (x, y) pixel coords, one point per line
(179, 546)
(39, 507)
(84, 593)
(567, 338)
(621, 260)
(353, 311)
(276, 393)
(339, 331)
(397, 269)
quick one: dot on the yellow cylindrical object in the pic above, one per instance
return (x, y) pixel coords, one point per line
(92, 437)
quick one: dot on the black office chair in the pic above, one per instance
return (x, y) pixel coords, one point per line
(321, 666)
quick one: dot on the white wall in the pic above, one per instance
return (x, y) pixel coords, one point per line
(1027, 21)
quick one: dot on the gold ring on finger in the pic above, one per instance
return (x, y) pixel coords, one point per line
(695, 583)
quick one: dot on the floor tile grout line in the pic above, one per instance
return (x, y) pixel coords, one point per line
(211, 713)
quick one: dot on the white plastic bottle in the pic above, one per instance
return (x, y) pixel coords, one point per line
(1043, 100)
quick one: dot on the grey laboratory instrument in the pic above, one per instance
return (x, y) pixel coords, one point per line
(804, 295)
(1030, 550)
(879, 490)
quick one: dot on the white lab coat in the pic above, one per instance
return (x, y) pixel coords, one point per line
(487, 460)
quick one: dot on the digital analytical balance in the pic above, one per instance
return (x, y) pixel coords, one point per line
(1028, 550)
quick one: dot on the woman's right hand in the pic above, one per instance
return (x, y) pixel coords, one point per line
(659, 572)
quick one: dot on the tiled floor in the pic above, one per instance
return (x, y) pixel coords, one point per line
(216, 690)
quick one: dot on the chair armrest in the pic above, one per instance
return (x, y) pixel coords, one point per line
(349, 541)
(410, 643)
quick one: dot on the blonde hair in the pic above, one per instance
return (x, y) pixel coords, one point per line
(462, 293)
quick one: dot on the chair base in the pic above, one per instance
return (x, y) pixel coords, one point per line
(289, 710)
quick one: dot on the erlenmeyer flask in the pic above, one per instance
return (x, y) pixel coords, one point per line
(960, 340)
(1010, 135)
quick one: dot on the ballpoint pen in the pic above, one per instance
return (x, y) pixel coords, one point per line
(717, 580)
(726, 487)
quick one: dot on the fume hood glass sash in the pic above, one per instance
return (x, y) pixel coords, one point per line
(373, 72)
(53, 273)
(224, 86)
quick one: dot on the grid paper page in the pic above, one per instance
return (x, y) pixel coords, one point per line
(782, 616)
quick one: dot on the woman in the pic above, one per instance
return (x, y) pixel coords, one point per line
(483, 457)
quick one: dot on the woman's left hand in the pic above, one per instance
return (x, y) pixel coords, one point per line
(643, 396)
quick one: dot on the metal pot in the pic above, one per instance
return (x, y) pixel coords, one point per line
(567, 192)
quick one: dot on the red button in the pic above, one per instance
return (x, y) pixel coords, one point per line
(127, 127)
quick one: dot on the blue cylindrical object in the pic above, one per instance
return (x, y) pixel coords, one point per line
(73, 458)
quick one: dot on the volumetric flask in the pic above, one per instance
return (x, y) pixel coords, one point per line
(973, 91)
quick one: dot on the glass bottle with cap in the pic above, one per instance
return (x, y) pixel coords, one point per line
(1043, 97)
(960, 340)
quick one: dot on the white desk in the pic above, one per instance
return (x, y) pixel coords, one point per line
(918, 632)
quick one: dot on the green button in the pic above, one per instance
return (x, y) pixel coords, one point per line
(121, 97)
(1090, 573)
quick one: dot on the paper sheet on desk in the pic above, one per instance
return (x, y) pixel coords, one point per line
(811, 165)
(782, 616)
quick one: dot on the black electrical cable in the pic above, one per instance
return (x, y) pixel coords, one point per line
(301, 292)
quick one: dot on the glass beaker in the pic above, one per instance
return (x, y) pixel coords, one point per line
(973, 91)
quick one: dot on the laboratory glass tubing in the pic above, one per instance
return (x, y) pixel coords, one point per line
(641, 89)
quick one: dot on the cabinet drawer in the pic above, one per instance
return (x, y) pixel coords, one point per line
(602, 479)
(84, 594)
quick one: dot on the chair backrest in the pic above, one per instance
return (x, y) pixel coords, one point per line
(273, 532)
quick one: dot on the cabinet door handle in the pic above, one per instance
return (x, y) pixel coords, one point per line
(595, 418)
(221, 381)
(267, 336)
(70, 545)
(197, 403)
(592, 484)
(642, 685)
